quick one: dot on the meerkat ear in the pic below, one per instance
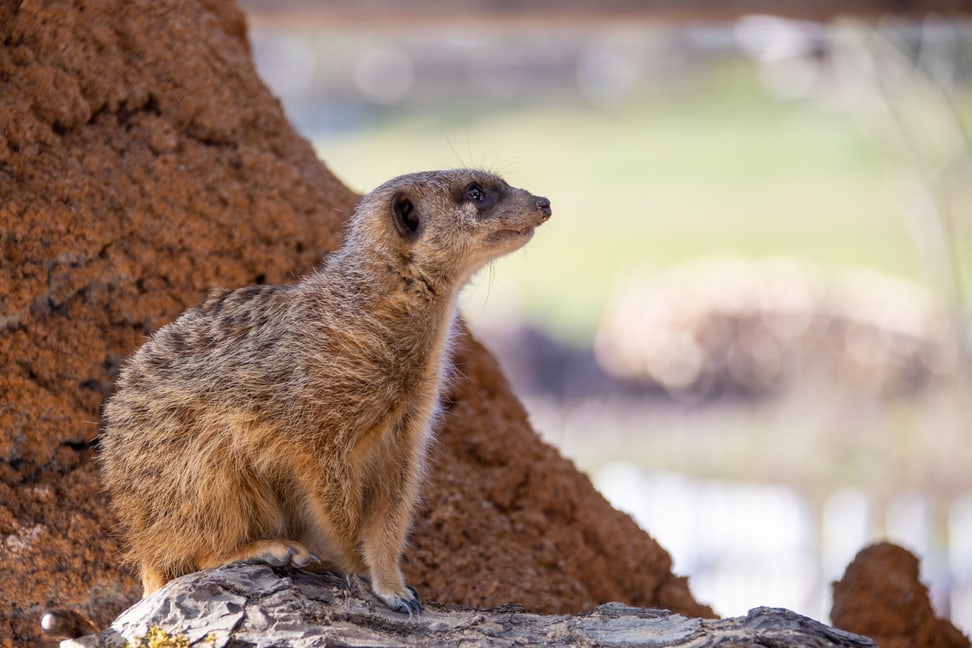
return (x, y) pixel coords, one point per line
(405, 215)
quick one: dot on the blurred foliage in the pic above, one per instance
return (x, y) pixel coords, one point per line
(711, 164)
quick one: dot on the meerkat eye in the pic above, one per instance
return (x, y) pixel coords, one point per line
(474, 192)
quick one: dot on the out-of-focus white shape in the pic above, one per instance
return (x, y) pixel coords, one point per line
(742, 545)
(960, 560)
(285, 62)
(846, 529)
(768, 38)
(384, 76)
(605, 74)
(785, 51)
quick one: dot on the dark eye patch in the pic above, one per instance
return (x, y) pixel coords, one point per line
(475, 193)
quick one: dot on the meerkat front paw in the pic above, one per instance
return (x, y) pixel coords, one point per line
(406, 601)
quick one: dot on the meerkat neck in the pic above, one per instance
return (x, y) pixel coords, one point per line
(396, 292)
(394, 274)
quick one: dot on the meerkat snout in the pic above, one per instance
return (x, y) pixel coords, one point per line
(543, 204)
(289, 424)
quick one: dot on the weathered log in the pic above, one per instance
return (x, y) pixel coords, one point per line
(256, 605)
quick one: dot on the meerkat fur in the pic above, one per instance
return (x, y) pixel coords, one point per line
(288, 424)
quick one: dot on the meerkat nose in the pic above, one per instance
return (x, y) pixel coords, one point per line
(544, 206)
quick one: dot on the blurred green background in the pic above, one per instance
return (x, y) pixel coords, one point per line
(746, 318)
(717, 166)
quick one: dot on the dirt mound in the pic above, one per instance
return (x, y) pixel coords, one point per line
(881, 596)
(143, 162)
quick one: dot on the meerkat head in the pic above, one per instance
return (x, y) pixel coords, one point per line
(450, 223)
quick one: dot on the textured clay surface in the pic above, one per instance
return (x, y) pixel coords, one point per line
(143, 162)
(881, 596)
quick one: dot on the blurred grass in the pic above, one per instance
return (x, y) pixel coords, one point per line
(714, 164)
(711, 164)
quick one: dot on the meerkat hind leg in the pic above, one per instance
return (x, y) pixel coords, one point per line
(152, 579)
(278, 553)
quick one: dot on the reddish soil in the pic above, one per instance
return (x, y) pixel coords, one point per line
(881, 596)
(142, 162)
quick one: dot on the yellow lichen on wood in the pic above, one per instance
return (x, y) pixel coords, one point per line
(159, 638)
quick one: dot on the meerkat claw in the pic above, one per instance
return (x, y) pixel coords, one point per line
(303, 560)
(407, 606)
(414, 605)
(406, 603)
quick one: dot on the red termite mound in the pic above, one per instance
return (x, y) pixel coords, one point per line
(881, 596)
(143, 162)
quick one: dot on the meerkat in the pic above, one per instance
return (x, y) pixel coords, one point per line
(288, 424)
